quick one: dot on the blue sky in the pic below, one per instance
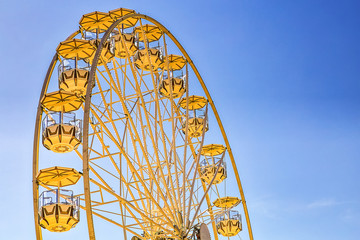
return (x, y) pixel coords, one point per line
(284, 75)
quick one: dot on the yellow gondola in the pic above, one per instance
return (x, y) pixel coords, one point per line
(96, 21)
(209, 171)
(212, 150)
(195, 124)
(226, 202)
(194, 102)
(58, 176)
(58, 210)
(76, 48)
(106, 54)
(121, 12)
(147, 60)
(72, 77)
(148, 32)
(124, 44)
(61, 101)
(229, 224)
(59, 134)
(175, 62)
(172, 85)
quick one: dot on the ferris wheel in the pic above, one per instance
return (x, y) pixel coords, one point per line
(127, 135)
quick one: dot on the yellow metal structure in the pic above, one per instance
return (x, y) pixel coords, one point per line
(149, 32)
(57, 217)
(74, 81)
(194, 102)
(106, 54)
(172, 86)
(76, 48)
(229, 227)
(212, 150)
(121, 12)
(212, 171)
(58, 176)
(148, 59)
(61, 101)
(141, 147)
(60, 138)
(176, 62)
(124, 44)
(96, 21)
(195, 126)
(227, 202)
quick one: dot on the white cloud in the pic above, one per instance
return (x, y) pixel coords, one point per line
(323, 203)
